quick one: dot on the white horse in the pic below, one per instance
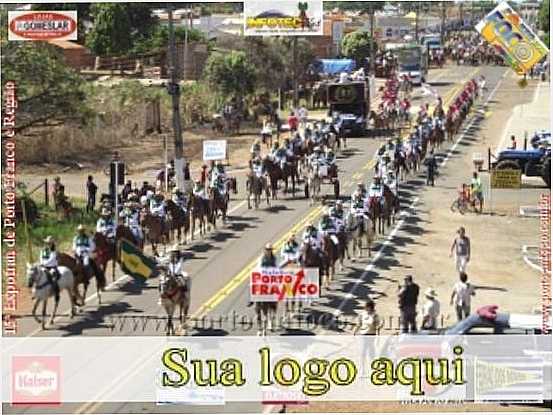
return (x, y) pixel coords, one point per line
(175, 293)
(360, 227)
(42, 289)
(314, 184)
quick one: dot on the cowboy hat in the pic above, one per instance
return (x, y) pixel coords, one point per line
(174, 248)
(49, 239)
(81, 227)
(269, 247)
(105, 212)
(430, 293)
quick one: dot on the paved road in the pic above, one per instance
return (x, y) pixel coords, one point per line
(220, 264)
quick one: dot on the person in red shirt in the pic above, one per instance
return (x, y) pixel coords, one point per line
(293, 122)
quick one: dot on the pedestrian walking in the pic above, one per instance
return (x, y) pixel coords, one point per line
(431, 168)
(91, 190)
(430, 310)
(408, 296)
(461, 246)
(461, 295)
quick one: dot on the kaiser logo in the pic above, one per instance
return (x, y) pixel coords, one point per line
(42, 25)
(36, 380)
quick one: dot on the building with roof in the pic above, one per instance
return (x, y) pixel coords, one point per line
(74, 55)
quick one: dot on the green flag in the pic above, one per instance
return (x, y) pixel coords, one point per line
(134, 262)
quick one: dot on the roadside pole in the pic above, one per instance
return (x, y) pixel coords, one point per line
(166, 162)
(26, 228)
(174, 90)
(116, 193)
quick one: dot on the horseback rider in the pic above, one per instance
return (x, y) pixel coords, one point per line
(279, 154)
(391, 182)
(312, 237)
(258, 169)
(268, 260)
(376, 190)
(199, 190)
(360, 193)
(179, 199)
(131, 217)
(330, 157)
(157, 205)
(255, 150)
(337, 215)
(219, 178)
(326, 225)
(49, 262)
(106, 225)
(83, 246)
(290, 251)
(175, 269)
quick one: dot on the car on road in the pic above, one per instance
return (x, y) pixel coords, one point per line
(487, 320)
(532, 162)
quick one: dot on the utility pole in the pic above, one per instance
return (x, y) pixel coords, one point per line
(295, 63)
(373, 57)
(442, 28)
(417, 9)
(174, 90)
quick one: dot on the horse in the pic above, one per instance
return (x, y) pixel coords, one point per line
(376, 213)
(217, 203)
(42, 290)
(172, 294)
(199, 210)
(106, 249)
(155, 231)
(178, 220)
(265, 312)
(313, 185)
(360, 228)
(255, 186)
(82, 275)
(311, 258)
(331, 250)
(400, 165)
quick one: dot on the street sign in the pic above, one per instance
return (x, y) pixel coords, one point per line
(506, 179)
(214, 150)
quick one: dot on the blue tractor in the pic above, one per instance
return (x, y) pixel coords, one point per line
(532, 163)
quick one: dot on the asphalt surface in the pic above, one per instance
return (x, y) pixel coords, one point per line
(219, 265)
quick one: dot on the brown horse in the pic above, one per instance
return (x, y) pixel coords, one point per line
(155, 231)
(83, 276)
(332, 253)
(276, 173)
(172, 294)
(178, 220)
(106, 250)
(199, 210)
(311, 258)
(217, 203)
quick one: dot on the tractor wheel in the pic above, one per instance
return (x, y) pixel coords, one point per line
(508, 164)
(546, 175)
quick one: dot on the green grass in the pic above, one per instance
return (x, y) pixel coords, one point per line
(50, 223)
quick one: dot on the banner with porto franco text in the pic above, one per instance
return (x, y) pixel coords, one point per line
(520, 47)
(276, 284)
(283, 18)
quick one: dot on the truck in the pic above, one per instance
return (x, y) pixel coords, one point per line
(349, 106)
(532, 163)
(412, 60)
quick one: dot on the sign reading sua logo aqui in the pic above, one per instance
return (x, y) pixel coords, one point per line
(512, 38)
(42, 25)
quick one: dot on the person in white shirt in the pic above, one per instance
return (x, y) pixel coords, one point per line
(368, 321)
(430, 310)
(461, 296)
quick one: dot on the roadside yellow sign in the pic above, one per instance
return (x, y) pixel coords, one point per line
(506, 179)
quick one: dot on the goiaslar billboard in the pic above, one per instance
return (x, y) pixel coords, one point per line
(42, 25)
(283, 18)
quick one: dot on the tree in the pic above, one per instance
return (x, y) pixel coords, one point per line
(543, 16)
(111, 33)
(357, 45)
(48, 91)
(159, 39)
(232, 74)
(119, 26)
